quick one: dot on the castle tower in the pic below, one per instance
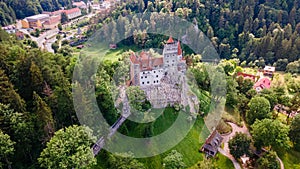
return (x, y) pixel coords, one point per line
(170, 54)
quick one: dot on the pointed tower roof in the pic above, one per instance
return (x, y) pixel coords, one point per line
(179, 49)
(170, 40)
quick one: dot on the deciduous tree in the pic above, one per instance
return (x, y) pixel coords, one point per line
(124, 161)
(69, 148)
(259, 108)
(239, 145)
(6, 150)
(270, 133)
(268, 160)
(174, 160)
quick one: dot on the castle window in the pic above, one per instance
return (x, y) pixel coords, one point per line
(142, 77)
(154, 82)
(143, 82)
(157, 81)
(148, 82)
(156, 75)
(154, 71)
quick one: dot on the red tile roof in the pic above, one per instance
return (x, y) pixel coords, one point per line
(79, 4)
(170, 40)
(157, 61)
(73, 10)
(264, 83)
(179, 49)
(133, 58)
(245, 75)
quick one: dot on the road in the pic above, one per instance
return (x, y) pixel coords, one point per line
(113, 129)
(48, 44)
(228, 155)
(41, 39)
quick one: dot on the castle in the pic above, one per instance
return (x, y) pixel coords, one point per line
(146, 70)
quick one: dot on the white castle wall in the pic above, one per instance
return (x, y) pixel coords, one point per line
(152, 77)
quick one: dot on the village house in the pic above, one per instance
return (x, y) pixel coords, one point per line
(263, 83)
(248, 76)
(10, 29)
(212, 143)
(95, 6)
(269, 70)
(146, 70)
(112, 46)
(20, 35)
(80, 5)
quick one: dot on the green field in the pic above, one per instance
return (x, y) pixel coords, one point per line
(112, 55)
(223, 162)
(188, 147)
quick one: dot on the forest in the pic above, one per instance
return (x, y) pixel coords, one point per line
(36, 108)
(258, 33)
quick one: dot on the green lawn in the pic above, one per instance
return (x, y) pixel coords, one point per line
(108, 54)
(188, 147)
(232, 115)
(223, 162)
(291, 159)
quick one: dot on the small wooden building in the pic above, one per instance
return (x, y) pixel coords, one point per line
(212, 143)
(113, 46)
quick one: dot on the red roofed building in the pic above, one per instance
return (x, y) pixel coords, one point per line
(54, 13)
(52, 22)
(263, 83)
(80, 5)
(73, 13)
(148, 70)
(248, 76)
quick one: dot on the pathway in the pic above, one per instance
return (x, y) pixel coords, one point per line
(225, 151)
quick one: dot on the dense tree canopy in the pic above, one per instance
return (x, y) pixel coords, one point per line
(10, 9)
(259, 108)
(270, 133)
(173, 160)
(268, 160)
(295, 131)
(124, 161)
(6, 150)
(69, 148)
(239, 145)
